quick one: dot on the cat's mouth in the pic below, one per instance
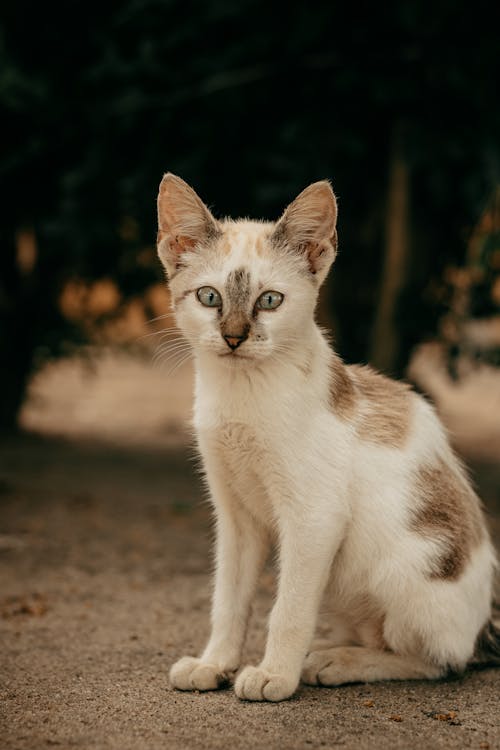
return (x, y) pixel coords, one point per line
(234, 355)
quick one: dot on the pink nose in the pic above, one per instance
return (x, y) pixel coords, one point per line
(234, 341)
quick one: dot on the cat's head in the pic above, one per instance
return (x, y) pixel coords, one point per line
(245, 290)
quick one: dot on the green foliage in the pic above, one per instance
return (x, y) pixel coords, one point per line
(249, 102)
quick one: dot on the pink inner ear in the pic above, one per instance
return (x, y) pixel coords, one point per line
(182, 243)
(179, 244)
(314, 252)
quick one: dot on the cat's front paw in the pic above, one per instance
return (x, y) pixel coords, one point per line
(257, 684)
(190, 673)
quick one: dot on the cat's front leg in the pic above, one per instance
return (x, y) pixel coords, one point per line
(241, 551)
(307, 549)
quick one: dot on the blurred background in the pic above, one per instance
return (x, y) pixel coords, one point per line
(104, 540)
(249, 102)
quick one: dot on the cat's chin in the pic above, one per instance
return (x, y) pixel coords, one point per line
(232, 358)
(235, 359)
(240, 360)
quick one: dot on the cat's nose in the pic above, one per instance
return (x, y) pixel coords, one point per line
(233, 341)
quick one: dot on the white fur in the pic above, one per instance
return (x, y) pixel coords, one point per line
(283, 468)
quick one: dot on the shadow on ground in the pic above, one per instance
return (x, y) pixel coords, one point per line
(104, 575)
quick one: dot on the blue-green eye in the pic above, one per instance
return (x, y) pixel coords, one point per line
(209, 296)
(269, 300)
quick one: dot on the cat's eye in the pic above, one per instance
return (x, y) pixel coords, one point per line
(209, 296)
(269, 300)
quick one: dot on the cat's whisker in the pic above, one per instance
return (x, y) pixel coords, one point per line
(173, 342)
(173, 331)
(166, 349)
(161, 360)
(185, 359)
(172, 346)
(160, 317)
(167, 329)
(163, 331)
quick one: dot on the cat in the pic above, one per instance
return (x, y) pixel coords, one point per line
(348, 473)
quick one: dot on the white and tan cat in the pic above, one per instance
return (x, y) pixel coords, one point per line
(349, 474)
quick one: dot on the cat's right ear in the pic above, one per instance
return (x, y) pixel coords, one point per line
(184, 222)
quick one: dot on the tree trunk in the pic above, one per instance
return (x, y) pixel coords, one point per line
(19, 316)
(385, 344)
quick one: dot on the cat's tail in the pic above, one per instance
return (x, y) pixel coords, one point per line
(487, 651)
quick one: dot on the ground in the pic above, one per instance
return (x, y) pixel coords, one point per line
(105, 581)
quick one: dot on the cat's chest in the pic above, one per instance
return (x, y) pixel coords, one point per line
(246, 424)
(242, 448)
(248, 441)
(255, 436)
(248, 462)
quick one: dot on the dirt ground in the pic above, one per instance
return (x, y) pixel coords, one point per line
(104, 582)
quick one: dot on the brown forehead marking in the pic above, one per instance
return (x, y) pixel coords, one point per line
(238, 288)
(449, 510)
(385, 409)
(236, 319)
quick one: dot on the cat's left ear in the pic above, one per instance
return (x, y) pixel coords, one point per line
(184, 222)
(308, 227)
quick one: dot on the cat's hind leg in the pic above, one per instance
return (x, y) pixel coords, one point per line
(344, 664)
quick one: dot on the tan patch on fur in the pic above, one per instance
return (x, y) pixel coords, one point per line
(226, 241)
(380, 407)
(342, 390)
(262, 245)
(385, 407)
(254, 234)
(450, 511)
